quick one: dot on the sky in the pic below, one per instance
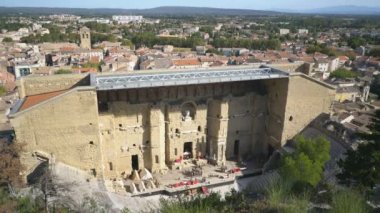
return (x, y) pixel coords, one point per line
(140, 4)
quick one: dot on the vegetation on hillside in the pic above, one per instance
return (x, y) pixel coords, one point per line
(375, 52)
(322, 48)
(7, 39)
(10, 165)
(306, 164)
(63, 71)
(11, 26)
(3, 90)
(56, 35)
(343, 73)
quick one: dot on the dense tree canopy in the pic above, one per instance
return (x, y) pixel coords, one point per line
(306, 164)
(150, 39)
(343, 73)
(98, 27)
(14, 26)
(100, 37)
(322, 48)
(272, 44)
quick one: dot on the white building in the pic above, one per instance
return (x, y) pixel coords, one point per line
(284, 31)
(103, 21)
(36, 26)
(334, 64)
(88, 54)
(303, 31)
(24, 69)
(127, 19)
(321, 66)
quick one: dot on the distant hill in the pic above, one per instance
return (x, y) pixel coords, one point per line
(187, 11)
(166, 11)
(345, 10)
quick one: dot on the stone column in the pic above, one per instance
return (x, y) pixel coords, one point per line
(157, 138)
(218, 128)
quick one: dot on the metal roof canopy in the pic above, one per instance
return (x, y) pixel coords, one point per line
(184, 77)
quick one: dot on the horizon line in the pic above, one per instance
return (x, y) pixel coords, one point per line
(223, 8)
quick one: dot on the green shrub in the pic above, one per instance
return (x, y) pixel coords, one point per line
(306, 164)
(3, 91)
(348, 201)
(233, 202)
(7, 39)
(343, 73)
(63, 71)
(281, 198)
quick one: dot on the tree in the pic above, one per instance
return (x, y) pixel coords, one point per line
(63, 71)
(10, 165)
(361, 167)
(3, 90)
(375, 52)
(7, 39)
(356, 42)
(375, 86)
(53, 189)
(98, 27)
(126, 42)
(306, 164)
(343, 73)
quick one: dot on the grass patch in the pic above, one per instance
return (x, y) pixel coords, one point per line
(348, 201)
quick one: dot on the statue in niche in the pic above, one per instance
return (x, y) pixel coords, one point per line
(187, 116)
(188, 112)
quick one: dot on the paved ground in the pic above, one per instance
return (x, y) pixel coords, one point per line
(80, 188)
(210, 173)
(96, 189)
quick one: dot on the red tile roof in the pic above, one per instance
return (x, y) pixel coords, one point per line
(33, 100)
(186, 62)
(343, 58)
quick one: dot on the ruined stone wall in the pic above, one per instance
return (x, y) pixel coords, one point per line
(276, 94)
(217, 124)
(102, 131)
(307, 99)
(182, 129)
(124, 133)
(33, 85)
(64, 128)
(240, 127)
(155, 124)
